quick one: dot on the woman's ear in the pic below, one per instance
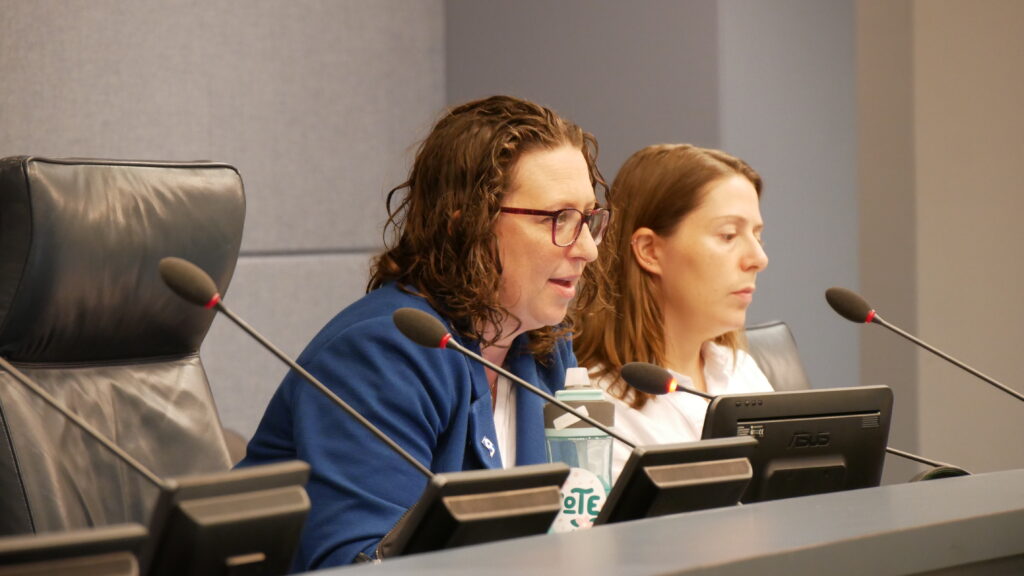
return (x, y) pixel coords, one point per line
(645, 245)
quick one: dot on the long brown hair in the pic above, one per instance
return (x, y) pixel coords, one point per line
(439, 239)
(656, 188)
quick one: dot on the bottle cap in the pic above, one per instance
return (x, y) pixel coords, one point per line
(577, 378)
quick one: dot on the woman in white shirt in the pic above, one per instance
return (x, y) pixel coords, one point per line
(682, 257)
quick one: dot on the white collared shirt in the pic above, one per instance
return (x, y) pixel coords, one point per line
(505, 421)
(679, 417)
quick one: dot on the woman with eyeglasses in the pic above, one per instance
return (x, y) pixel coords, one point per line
(681, 260)
(491, 233)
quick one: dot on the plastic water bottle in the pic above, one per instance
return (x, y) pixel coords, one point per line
(587, 450)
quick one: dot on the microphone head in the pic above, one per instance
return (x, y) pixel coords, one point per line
(421, 327)
(189, 281)
(648, 378)
(849, 305)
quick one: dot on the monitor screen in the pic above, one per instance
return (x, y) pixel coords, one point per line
(246, 520)
(109, 550)
(672, 478)
(809, 441)
(478, 506)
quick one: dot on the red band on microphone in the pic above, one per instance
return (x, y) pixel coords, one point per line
(871, 316)
(213, 301)
(671, 385)
(444, 341)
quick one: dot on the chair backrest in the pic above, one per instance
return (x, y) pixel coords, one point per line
(84, 313)
(774, 349)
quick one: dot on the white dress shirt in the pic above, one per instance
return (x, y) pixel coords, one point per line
(679, 416)
(505, 421)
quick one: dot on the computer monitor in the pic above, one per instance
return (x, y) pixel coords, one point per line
(246, 520)
(478, 506)
(108, 550)
(671, 478)
(809, 441)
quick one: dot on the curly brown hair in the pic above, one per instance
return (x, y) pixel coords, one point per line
(439, 239)
(656, 188)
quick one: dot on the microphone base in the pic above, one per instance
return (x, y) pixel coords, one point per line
(939, 473)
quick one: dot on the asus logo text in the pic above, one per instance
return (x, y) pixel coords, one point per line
(808, 440)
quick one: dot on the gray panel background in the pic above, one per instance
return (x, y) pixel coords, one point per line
(969, 146)
(788, 76)
(320, 104)
(888, 241)
(631, 73)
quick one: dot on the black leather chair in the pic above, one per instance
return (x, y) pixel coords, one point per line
(84, 313)
(774, 349)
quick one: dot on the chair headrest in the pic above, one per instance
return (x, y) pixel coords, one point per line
(80, 241)
(774, 349)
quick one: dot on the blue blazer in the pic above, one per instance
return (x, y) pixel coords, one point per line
(434, 403)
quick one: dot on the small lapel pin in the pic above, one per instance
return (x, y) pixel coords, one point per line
(489, 445)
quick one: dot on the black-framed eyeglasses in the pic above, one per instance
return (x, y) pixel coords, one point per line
(567, 223)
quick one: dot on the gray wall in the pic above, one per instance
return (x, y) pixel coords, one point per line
(888, 239)
(631, 73)
(969, 146)
(940, 86)
(316, 102)
(788, 107)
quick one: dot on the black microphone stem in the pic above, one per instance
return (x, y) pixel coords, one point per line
(916, 458)
(568, 409)
(82, 424)
(878, 320)
(323, 389)
(696, 392)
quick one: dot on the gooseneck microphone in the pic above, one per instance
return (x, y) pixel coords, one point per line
(194, 285)
(655, 380)
(426, 330)
(658, 381)
(851, 306)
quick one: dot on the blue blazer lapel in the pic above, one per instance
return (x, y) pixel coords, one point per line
(482, 438)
